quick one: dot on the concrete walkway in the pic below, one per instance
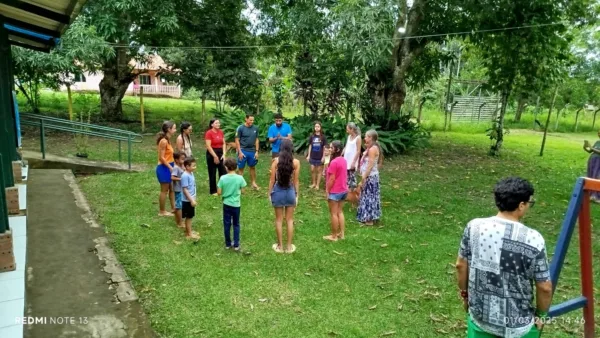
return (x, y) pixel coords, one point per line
(72, 274)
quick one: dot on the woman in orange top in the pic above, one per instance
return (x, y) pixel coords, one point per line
(165, 166)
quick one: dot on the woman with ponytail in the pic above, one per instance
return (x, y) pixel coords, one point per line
(284, 186)
(336, 186)
(165, 166)
(183, 142)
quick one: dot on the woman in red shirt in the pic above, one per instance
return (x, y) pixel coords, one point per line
(215, 153)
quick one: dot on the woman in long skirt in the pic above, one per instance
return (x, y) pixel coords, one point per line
(369, 205)
(593, 166)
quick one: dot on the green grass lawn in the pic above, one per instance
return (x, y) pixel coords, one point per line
(393, 280)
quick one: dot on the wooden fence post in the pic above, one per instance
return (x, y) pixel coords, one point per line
(142, 108)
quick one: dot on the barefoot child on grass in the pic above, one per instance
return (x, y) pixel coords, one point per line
(230, 187)
(188, 185)
(336, 186)
(176, 178)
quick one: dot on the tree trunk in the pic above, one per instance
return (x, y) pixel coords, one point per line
(558, 117)
(70, 101)
(577, 118)
(594, 121)
(420, 109)
(522, 103)
(117, 77)
(304, 101)
(495, 149)
(548, 121)
(535, 114)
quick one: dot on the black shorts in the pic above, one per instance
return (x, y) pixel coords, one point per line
(187, 210)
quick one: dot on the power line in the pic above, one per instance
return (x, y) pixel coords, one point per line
(241, 48)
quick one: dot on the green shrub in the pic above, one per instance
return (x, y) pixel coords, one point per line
(408, 134)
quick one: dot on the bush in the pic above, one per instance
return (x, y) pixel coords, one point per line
(406, 136)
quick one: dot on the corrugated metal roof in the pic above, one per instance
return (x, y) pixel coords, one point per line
(37, 24)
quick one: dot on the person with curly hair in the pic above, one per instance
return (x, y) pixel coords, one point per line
(284, 186)
(499, 263)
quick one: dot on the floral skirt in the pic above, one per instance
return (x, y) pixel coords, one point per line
(369, 204)
(351, 179)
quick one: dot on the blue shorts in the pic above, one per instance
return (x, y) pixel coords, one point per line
(178, 197)
(163, 173)
(316, 163)
(283, 197)
(338, 197)
(249, 158)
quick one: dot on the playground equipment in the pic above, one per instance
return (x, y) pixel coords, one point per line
(579, 208)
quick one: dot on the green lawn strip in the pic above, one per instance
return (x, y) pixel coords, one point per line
(379, 280)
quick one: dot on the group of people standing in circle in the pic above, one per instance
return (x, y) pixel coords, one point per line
(339, 164)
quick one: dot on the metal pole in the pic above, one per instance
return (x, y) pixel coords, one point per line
(8, 135)
(3, 206)
(42, 139)
(119, 150)
(587, 277)
(129, 150)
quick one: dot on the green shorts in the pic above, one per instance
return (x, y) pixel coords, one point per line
(473, 331)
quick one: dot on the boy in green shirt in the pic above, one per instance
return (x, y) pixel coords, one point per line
(230, 187)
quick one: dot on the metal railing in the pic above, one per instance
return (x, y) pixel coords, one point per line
(155, 89)
(75, 127)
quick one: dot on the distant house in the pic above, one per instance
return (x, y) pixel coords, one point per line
(148, 78)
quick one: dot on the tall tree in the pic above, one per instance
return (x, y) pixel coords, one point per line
(80, 49)
(536, 55)
(131, 27)
(218, 66)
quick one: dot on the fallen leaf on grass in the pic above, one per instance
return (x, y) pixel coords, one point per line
(434, 319)
(389, 333)
(433, 294)
(373, 307)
